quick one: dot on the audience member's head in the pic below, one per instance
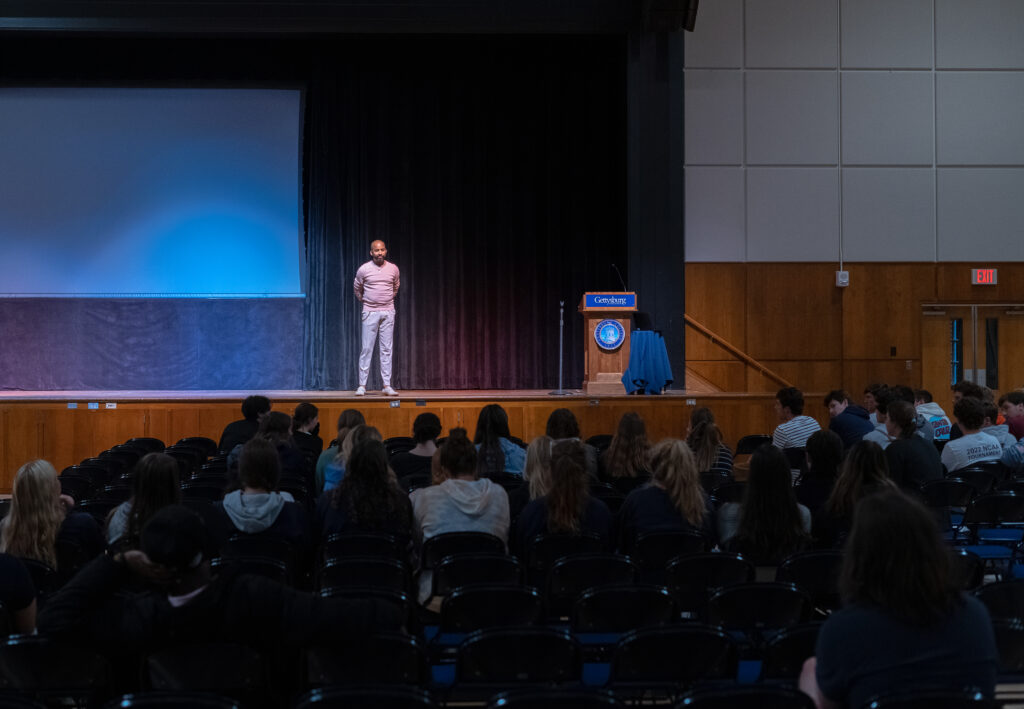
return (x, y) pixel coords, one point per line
(865, 470)
(704, 437)
(824, 451)
(537, 472)
(771, 526)
(155, 485)
(357, 435)
(458, 456)
(255, 407)
(836, 402)
(306, 418)
(901, 392)
(901, 419)
(789, 403)
(177, 539)
(674, 469)
(259, 467)
(629, 450)
(922, 396)
(369, 488)
(883, 397)
(969, 414)
(347, 420)
(426, 427)
(991, 413)
(1012, 404)
(30, 527)
(569, 487)
(276, 427)
(562, 423)
(491, 427)
(870, 395)
(965, 388)
(896, 561)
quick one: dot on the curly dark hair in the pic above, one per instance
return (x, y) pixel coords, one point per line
(370, 491)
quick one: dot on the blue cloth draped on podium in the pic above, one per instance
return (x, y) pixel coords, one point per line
(649, 369)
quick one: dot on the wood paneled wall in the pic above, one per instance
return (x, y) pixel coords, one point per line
(793, 318)
(49, 430)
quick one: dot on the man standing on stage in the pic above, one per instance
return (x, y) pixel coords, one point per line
(376, 286)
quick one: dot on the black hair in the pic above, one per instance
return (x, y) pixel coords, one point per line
(969, 413)
(426, 427)
(825, 451)
(491, 425)
(903, 415)
(966, 388)
(923, 395)
(304, 413)
(370, 491)
(259, 465)
(791, 398)
(838, 395)
(771, 526)
(458, 454)
(155, 485)
(562, 423)
(254, 406)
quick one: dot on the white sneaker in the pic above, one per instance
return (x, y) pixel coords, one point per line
(361, 391)
(388, 391)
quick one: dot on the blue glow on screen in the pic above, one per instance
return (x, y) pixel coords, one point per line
(150, 192)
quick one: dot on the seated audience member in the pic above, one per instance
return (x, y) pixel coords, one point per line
(705, 440)
(368, 498)
(933, 413)
(425, 430)
(254, 408)
(154, 486)
(674, 500)
(335, 470)
(864, 471)
(568, 508)
(795, 428)
(562, 425)
(923, 425)
(496, 453)
(349, 419)
(848, 420)
(1011, 405)
(536, 474)
(625, 464)
(461, 502)
(257, 508)
(40, 516)
(912, 460)
(276, 427)
(17, 594)
(187, 604)
(998, 431)
(306, 431)
(769, 524)
(961, 389)
(869, 400)
(824, 453)
(904, 627)
(972, 446)
(882, 399)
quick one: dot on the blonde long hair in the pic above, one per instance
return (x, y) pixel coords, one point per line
(30, 528)
(674, 468)
(538, 466)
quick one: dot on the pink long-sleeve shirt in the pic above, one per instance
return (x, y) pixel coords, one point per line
(376, 286)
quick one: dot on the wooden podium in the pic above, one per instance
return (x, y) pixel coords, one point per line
(605, 317)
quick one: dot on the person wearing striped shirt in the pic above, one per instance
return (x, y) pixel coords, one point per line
(795, 428)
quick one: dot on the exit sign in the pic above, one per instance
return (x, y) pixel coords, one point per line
(984, 276)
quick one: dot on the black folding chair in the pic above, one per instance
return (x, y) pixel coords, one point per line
(694, 578)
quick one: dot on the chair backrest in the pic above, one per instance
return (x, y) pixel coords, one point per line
(693, 579)
(784, 654)
(747, 697)
(259, 545)
(150, 444)
(559, 698)
(442, 545)
(994, 510)
(1010, 644)
(216, 667)
(363, 544)
(652, 551)
(728, 492)
(816, 573)
(983, 479)
(967, 569)
(711, 479)
(78, 487)
(399, 600)
(677, 654)
(474, 607)
(526, 655)
(935, 699)
(170, 700)
(5, 507)
(755, 607)
(617, 609)
(41, 666)
(749, 444)
(367, 571)
(1004, 599)
(948, 492)
(195, 490)
(98, 508)
(273, 569)
(368, 696)
(572, 575)
(44, 576)
(387, 658)
(207, 446)
(545, 549)
(398, 444)
(460, 570)
(601, 442)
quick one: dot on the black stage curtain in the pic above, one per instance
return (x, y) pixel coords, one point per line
(493, 168)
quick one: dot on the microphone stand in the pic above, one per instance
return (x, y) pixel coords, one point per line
(561, 337)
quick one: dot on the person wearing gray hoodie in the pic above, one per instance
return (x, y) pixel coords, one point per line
(257, 508)
(462, 503)
(932, 413)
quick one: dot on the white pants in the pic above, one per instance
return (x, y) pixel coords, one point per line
(374, 322)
